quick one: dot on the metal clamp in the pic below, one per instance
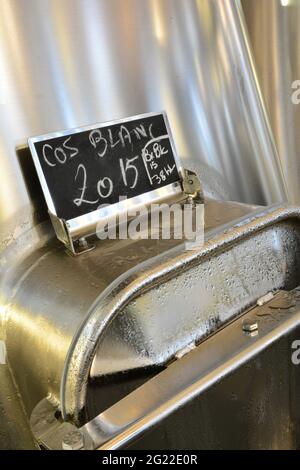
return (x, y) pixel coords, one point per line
(192, 187)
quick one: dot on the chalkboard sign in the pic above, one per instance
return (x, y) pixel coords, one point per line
(83, 168)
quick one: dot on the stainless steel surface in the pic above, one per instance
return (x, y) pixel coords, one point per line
(15, 432)
(202, 293)
(254, 407)
(250, 326)
(46, 296)
(61, 312)
(74, 440)
(170, 301)
(70, 63)
(186, 380)
(274, 36)
(86, 224)
(127, 306)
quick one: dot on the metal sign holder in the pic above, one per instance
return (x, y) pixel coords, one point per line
(74, 235)
(74, 232)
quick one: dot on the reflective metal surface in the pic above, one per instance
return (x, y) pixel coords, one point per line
(275, 36)
(67, 320)
(46, 295)
(58, 309)
(185, 297)
(15, 432)
(70, 63)
(198, 300)
(190, 376)
(235, 390)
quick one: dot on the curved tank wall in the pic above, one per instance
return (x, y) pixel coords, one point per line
(275, 37)
(75, 62)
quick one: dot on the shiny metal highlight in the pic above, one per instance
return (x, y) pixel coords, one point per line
(275, 37)
(71, 63)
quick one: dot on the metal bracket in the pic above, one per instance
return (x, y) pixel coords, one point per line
(75, 246)
(192, 188)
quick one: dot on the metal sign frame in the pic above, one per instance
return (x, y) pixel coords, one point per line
(71, 231)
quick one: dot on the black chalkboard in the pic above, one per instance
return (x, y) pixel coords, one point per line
(82, 169)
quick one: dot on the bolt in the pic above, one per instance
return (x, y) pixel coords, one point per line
(250, 325)
(73, 441)
(82, 242)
